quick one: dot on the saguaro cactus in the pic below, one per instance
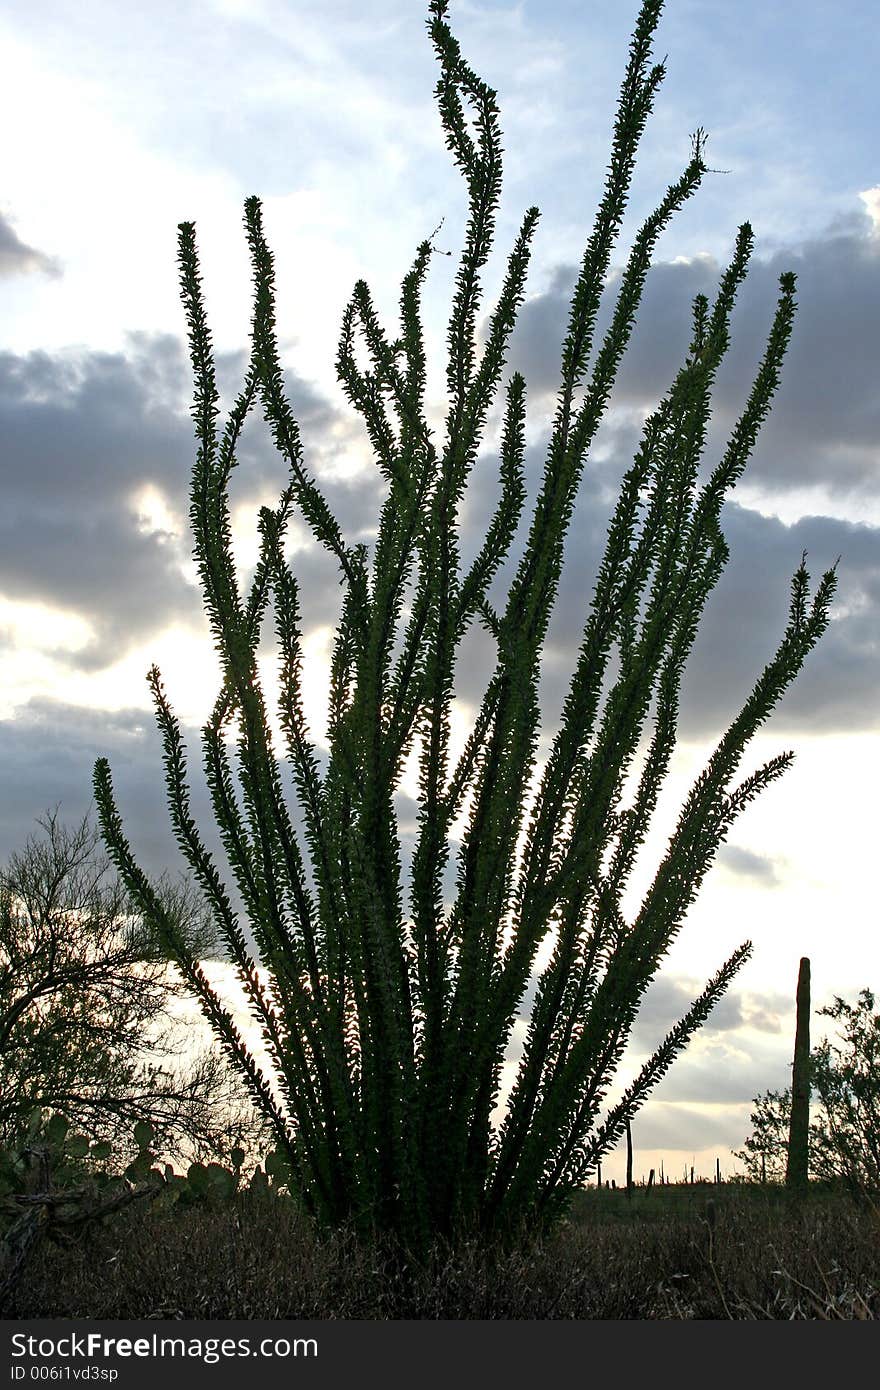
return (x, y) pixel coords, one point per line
(388, 1011)
(796, 1174)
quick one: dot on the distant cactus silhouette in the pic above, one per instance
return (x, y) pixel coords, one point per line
(799, 1124)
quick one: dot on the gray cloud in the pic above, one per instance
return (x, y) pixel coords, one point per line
(16, 258)
(769, 1013)
(668, 999)
(714, 1077)
(82, 435)
(746, 864)
(686, 1129)
(706, 1072)
(825, 424)
(48, 753)
(743, 619)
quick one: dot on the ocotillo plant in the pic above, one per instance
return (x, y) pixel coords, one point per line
(388, 1011)
(796, 1173)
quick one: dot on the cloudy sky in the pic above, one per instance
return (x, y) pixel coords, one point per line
(128, 121)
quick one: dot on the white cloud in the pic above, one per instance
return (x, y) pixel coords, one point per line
(871, 199)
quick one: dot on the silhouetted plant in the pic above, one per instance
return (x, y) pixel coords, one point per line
(796, 1174)
(86, 1027)
(56, 1184)
(386, 1024)
(844, 1128)
(62, 1185)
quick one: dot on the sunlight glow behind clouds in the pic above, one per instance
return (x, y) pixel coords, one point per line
(871, 200)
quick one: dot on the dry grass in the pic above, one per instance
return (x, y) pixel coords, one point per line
(749, 1255)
